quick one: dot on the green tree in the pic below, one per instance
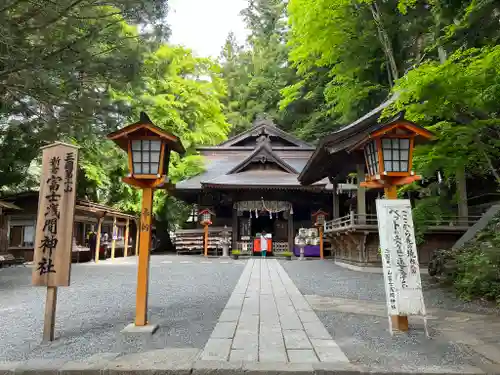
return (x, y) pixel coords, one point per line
(181, 94)
(57, 61)
(256, 74)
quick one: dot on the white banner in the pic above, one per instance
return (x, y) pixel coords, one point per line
(403, 285)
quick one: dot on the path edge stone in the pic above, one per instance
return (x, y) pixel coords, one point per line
(201, 367)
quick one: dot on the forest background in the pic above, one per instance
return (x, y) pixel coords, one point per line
(75, 70)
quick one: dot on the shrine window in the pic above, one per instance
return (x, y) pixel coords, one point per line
(21, 234)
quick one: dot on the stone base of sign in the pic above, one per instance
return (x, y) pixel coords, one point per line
(399, 323)
(132, 328)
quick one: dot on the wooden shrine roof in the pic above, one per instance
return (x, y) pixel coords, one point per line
(236, 163)
(332, 157)
(26, 201)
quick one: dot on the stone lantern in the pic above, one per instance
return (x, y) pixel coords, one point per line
(225, 241)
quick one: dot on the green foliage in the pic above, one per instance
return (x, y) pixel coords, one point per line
(76, 70)
(254, 75)
(181, 95)
(236, 252)
(474, 270)
(57, 59)
(458, 100)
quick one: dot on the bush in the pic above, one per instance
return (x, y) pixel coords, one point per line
(287, 254)
(477, 272)
(236, 252)
(474, 270)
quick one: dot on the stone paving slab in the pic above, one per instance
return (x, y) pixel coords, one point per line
(276, 323)
(185, 361)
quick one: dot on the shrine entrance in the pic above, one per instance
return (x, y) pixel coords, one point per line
(274, 218)
(262, 224)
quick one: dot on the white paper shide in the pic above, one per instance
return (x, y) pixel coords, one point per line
(403, 285)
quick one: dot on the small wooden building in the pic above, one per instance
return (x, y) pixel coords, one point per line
(250, 183)
(354, 234)
(19, 223)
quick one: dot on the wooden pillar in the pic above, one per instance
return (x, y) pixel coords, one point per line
(137, 232)
(141, 305)
(205, 239)
(336, 203)
(463, 208)
(4, 239)
(98, 238)
(291, 233)
(125, 240)
(113, 238)
(84, 233)
(321, 251)
(234, 233)
(361, 194)
(399, 322)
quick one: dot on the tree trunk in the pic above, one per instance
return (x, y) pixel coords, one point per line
(163, 235)
(392, 68)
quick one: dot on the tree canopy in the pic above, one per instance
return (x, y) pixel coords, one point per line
(76, 70)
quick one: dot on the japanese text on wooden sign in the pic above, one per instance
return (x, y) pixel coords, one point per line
(145, 220)
(403, 285)
(56, 209)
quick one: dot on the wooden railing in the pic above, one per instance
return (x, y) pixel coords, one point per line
(355, 221)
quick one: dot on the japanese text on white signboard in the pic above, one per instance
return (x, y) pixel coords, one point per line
(399, 258)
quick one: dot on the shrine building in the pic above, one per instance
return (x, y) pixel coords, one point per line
(250, 184)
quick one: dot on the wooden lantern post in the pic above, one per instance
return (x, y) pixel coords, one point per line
(388, 154)
(148, 148)
(319, 218)
(205, 220)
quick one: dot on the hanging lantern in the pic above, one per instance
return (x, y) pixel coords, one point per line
(388, 153)
(206, 216)
(319, 217)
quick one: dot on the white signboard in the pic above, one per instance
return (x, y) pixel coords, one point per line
(403, 285)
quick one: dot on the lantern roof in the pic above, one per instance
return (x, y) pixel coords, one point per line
(145, 128)
(398, 126)
(206, 211)
(319, 212)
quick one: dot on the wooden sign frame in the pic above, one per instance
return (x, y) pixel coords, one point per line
(55, 218)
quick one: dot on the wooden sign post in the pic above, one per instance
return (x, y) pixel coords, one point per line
(54, 226)
(403, 285)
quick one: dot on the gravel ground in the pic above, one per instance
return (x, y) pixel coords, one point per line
(365, 339)
(185, 300)
(325, 278)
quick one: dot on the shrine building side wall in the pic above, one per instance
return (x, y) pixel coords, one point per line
(362, 249)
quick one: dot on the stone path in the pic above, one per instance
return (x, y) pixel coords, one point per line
(268, 320)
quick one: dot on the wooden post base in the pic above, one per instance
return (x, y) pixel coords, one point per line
(50, 314)
(399, 323)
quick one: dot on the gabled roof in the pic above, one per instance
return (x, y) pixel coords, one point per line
(263, 153)
(268, 179)
(267, 127)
